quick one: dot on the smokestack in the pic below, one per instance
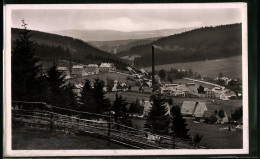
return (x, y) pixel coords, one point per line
(153, 80)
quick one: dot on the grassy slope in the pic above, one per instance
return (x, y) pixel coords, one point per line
(33, 139)
(103, 76)
(231, 67)
(214, 136)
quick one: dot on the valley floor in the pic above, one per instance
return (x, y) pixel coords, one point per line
(231, 67)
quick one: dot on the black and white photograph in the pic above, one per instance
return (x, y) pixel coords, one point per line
(125, 79)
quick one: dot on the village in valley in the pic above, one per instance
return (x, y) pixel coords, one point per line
(109, 89)
(201, 101)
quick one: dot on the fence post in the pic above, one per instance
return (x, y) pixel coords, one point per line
(51, 118)
(174, 140)
(109, 123)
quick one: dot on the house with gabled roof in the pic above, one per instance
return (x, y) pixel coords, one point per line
(227, 95)
(192, 108)
(147, 85)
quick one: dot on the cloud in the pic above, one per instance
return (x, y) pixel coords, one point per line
(124, 19)
(128, 24)
(121, 24)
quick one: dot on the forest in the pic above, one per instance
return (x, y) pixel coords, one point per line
(67, 48)
(195, 45)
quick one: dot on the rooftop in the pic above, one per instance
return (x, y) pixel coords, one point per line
(92, 65)
(106, 64)
(62, 68)
(77, 66)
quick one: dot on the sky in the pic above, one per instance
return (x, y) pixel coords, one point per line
(126, 20)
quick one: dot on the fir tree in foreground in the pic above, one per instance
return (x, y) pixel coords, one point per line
(178, 123)
(56, 86)
(86, 99)
(25, 70)
(70, 96)
(158, 120)
(237, 114)
(121, 115)
(135, 108)
(101, 104)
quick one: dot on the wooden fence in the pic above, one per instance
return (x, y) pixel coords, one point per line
(41, 115)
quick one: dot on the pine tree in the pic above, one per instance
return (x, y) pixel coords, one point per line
(237, 114)
(100, 102)
(121, 114)
(87, 103)
(221, 114)
(56, 86)
(25, 68)
(158, 120)
(135, 108)
(70, 96)
(178, 123)
(162, 74)
(131, 109)
(43, 85)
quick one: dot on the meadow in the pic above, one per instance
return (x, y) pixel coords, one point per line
(231, 67)
(103, 76)
(35, 139)
(215, 136)
(212, 104)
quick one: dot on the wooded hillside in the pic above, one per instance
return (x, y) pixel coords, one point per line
(50, 46)
(196, 45)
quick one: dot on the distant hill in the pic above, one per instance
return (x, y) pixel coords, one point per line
(111, 35)
(195, 45)
(50, 46)
(120, 45)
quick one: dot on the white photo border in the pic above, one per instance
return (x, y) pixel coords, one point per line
(8, 152)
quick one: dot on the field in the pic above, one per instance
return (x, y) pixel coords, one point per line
(184, 81)
(214, 135)
(120, 77)
(230, 67)
(130, 96)
(217, 104)
(33, 139)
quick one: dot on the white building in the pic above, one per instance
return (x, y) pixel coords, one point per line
(227, 95)
(208, 93)
(92, 69)
(65, 71)
(217, 91)
(172, 86)
(223, 94)
(78, 71)
(107, 67)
